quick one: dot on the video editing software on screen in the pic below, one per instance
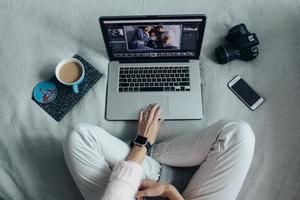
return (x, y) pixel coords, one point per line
(153, 38)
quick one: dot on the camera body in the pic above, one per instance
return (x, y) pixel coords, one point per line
(241, 45)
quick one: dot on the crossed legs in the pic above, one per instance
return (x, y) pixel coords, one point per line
(224, 152)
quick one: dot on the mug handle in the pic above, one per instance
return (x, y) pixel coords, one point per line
(75, 88)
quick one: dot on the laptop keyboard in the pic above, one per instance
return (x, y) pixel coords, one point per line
(154, 79)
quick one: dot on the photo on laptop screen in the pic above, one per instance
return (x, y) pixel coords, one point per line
(149, 37)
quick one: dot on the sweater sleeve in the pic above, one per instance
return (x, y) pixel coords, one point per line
(124, 181)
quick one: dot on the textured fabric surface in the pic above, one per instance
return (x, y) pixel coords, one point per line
(35, 35)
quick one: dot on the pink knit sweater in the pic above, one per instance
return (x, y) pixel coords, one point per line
(124, 181)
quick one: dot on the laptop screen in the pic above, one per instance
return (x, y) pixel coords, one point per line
(143, 37)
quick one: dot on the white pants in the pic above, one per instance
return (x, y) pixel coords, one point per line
(224, 152)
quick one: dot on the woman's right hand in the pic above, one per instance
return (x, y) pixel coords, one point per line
(148, 126)
(149, 121)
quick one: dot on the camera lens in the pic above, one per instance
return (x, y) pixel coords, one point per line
(236, 31)
(226, 53)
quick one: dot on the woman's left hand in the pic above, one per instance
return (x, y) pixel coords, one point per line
(151, 189)
(155, 189)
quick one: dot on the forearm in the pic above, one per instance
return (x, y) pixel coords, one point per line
(172, 193)
(126, 176)
(137, 154)
(124, 181)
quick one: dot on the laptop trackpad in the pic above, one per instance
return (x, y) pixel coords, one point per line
(163, 101)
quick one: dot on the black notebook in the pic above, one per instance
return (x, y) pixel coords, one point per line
(66, 99)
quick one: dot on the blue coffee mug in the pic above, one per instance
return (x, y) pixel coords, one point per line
(74, 84)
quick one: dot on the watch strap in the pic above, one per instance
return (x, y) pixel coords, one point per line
(148, 147)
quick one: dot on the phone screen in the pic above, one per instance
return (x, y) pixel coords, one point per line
(245, 92)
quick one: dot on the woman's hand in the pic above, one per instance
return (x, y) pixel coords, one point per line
(151, 189)
(149, 122)
(156, 189)
(148, 126)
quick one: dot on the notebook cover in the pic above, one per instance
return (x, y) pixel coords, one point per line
(66, 99)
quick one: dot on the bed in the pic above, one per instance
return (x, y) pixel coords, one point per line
(36, 35)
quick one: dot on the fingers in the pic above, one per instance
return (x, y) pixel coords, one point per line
(146, 114)
(147, 183)
(157, 114)
(143, 185)
(143, 193)
(149, 108)
(148, 189)
(152, 111)
(141, 115)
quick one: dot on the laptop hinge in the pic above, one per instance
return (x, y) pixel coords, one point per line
(154, 60)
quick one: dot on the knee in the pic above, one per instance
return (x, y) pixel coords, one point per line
(75, 134)
(80, 137)
(239, 132)
(72, 138)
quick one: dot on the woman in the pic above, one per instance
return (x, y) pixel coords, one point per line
(104, 167)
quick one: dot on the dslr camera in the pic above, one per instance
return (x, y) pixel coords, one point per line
(241, 45)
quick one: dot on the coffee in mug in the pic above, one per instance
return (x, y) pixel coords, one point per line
(70, 72)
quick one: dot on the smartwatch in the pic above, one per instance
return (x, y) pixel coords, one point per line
(142, 142)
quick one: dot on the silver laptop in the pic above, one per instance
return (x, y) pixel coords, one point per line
(153, 59)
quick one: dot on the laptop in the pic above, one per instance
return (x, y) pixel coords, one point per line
(153, 59)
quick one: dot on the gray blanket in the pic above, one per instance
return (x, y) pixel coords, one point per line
(35, 35)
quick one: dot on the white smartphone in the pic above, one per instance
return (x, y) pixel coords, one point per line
(245, 93)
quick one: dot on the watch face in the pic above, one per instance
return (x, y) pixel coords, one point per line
(141, 140)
